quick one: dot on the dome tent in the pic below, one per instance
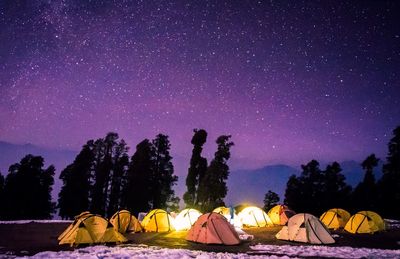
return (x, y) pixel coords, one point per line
(213, 228)
(186, 218)
(254, 217)
(305, 228)
(280, 214)
(230, 215)
(77, 219)
(92, 229)
(123, 222)
(157, 220)
(365, 222)
(335, 218)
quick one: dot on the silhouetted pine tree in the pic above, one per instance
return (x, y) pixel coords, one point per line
(1, 195)
(335, 192)
(27, 190)
(137, 191)
(271, 199)
(364, 195)
(107, 156)
(212, 187)
(74, 195)
(389, 185)
(197, 169)
(163, 176)
(118, 178)
(303, 194)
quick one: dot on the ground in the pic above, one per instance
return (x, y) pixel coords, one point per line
(32, 238)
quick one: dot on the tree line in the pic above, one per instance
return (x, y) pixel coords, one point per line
(103, 179)
(317, 190)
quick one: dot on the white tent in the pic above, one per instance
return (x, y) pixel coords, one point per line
(305, 228)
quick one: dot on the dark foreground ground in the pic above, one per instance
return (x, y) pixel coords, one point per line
(31, 238)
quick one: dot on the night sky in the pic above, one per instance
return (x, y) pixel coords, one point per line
(289, 80)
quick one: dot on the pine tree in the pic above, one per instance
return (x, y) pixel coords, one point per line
(197, 169)
(389, 185)
(74, 195)
(163, 176)
(304, 193)
(118, 179)
(27, 190)
(364, 195)
(1, 195)
(138, 190)
(335, 192)
(271, 199)
(212, 187)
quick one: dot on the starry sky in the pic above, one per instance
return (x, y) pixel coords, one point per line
(289, 80)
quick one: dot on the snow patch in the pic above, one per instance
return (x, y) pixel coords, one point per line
(326, 251)
(141, 251)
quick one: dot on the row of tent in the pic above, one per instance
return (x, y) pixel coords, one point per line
(220, 224)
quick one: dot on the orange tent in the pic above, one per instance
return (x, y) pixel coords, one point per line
(280, 214)
(213, 228)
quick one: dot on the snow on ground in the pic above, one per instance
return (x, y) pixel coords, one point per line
(141, 251)
(35, 221)
(325, 251)
(258, 251)
(392, 224)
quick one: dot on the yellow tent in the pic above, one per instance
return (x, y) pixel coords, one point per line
(123, 222)
(158, 221)
(280, 214)
(186, 218)
(91, 229)
(77, 218)
(335, 218)
(254, 217)
(365, 222)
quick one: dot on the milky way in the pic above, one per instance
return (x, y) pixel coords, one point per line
(290, 81)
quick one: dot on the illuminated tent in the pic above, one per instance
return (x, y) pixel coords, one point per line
(123, 222)
(186, 218)
(213, 228)
(365, 222)
(157, 221)
(230, 215)
(91, 229)
(335, 218)
(280, 214)
(254, 217)
(305, 228)
(77, 218)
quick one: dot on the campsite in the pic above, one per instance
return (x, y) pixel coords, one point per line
(27, 238)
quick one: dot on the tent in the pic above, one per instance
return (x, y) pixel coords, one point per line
(305, 228)
(230, 215)
(335, 218)
(91, 229)
(76, 219)
(186, 218)
(123, 222)
(158, 221)
(254, 217)
(213, 228)
(280, 214)
(365, 222)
